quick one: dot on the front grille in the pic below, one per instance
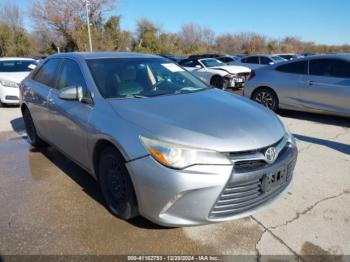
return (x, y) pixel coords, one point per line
(249, 165)
(245, 196)
(11, 97)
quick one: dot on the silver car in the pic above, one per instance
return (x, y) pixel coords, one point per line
(159, 141)
(319, 84)
(258, 61)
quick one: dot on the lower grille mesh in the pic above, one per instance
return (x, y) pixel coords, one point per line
(245, 196)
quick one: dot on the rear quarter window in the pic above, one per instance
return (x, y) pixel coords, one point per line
(47, 72)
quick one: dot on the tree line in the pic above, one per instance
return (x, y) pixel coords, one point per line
(61, 25)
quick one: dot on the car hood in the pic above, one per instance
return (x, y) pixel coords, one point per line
(210, 119)
(16, 77)
(233, 69)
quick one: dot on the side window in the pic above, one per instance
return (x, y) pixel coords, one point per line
(251, 60)
(46, 74)
(330, 67)
(265, 60)
(226, 59)
(188, 63)
(294, 68)
(70, 75)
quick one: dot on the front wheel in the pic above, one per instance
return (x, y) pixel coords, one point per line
(219, 82)
(116, 184)
(266, 97)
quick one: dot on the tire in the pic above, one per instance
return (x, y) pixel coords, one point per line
(32, 135)
(267, 97)
(2, 104)
(218, 82)
(116, 185)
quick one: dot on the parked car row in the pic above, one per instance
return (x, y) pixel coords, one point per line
(234, 68)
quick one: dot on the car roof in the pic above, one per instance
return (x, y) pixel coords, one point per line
(97, 55)
(342, 56)
(16, 59)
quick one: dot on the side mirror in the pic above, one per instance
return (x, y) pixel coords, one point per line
(69, 93)
(75, 93)
(271, 63)
(198, 67)
(32, 66)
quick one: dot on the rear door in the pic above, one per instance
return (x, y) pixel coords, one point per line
(328, 86)
(36, 91)
(70, 124)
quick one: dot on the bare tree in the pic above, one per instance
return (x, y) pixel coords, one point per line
(11, 15)
(62, 16)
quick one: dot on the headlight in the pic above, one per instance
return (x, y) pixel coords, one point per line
(8, 83)
(180, 157)
(230, 76)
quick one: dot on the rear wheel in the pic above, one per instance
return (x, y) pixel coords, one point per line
(32, 135)
(219, 82)
(266, 97)
(116, 184)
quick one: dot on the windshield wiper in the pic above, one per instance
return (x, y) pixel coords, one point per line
(187, 90)
(135, 96)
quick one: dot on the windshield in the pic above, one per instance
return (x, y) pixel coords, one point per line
(278, 58)
(212, 62)
(141, 77)
(9, 66)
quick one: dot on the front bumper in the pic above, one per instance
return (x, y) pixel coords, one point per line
(9, 95)
(236, 81)
(194, 196)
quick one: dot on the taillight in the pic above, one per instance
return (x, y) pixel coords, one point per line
(251, 75)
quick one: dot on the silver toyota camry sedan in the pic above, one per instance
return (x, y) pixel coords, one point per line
(319, 84)
(159, 141)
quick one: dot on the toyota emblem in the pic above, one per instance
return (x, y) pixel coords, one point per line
(270, 155)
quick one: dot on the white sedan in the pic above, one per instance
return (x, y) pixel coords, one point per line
(12, 72)
(216, 73)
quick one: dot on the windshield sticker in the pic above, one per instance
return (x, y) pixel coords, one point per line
(173, 68)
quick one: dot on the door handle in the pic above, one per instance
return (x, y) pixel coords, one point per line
(310, 83)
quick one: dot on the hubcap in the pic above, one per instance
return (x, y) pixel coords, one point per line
(265, 99)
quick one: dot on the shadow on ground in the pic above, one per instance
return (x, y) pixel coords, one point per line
(343, 148)
(318, 118)
(18, 125)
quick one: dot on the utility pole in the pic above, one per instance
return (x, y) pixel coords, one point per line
(87, 3)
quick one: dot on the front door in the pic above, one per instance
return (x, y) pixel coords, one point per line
(328, 86)
(71, 118)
